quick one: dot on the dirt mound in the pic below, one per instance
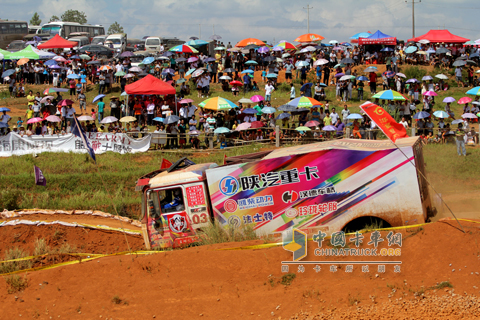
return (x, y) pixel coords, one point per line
(83, 239)
(236, 284)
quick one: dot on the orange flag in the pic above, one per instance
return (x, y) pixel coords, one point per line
(392, 129)
(165, 164)
(225, 158)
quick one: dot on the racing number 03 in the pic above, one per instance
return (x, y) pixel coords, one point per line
(200, 218)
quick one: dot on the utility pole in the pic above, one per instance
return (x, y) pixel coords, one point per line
(199, 30)
(308, 17)
(213, 29)
(413, 16)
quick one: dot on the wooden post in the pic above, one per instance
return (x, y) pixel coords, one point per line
(277, 136)
(210, 142)
(347, 133)
(413, 131)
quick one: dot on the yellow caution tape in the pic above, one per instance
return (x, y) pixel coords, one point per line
(96, 256)
(270, 245)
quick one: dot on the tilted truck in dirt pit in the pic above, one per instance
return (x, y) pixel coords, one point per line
(328, 186)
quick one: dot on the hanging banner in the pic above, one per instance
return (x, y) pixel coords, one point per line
(392, 129)
(385, 41)
(14, 144)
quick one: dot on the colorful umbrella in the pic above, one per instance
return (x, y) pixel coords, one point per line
(52, 90)
(305, 102)
(243, 126)
(430, 93)
(198, 72)
(303, 128)
(192, 59)
(189, 72)
(237, 83)
(309, 37)
(159, 119)
(257, 98)
(285, 46)
(263, 49)
(474, 91)
(312, 123)
(246, 42)
(34, 120)
(53, 118)
(464, 100)
(217, 104)
(22, 61)
(329, 128)
(257, 124)
(389, 74)
(65, 102)
(389, 95)
(44, 99)
(186, 100)
(183, 48)
(105, 68)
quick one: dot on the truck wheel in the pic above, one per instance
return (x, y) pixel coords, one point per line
(365, 223)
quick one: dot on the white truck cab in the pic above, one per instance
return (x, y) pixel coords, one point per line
(153, 44)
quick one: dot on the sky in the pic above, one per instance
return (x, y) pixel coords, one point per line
(270, 20)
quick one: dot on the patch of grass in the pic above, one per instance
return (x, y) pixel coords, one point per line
(16, 283)
(215, 233)
(288, 278)
(443, 284)
(353, 300)
(15, 253)
(40, 247)
(67, 248)
(116, 300)
(57, 235)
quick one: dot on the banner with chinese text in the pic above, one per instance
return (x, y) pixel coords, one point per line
(14, 144)
(392, 129)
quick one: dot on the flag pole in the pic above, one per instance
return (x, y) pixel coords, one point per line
(416, 168)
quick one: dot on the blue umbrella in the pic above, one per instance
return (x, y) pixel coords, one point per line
(189, 72)
(362, 78)
(457, 121)
(73, 76)
(50, 63)
(272, 75)
(247, 71)
(158, 119)
(196, 42)
(210, 59)
(269, 110)
(305, 86)
(100, 96)
(354, 116)
(171, 119)
(4, 109)
(283, 116)
(8, 73)
(221, 130)
(148, 60)
(329, 128)
(441, 114)
(251, 62)
(249, 111)
(167, 54)
(75, 57)
(412, 49)
(421, 115)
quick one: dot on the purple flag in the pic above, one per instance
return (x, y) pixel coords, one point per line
(39, 177)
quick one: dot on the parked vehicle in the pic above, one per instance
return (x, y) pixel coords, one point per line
(153, 44)
(12, 30)
(99, 40)
(16, 45)
(135, 44)
(82, 41)
(64, 29)
(97, 50)
(327, 186)
(118, 40)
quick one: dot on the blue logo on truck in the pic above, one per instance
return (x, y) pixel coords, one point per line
(229, 186)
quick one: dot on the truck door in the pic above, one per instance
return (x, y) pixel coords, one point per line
(168, 224)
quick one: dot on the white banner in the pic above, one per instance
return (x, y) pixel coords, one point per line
(14, 144)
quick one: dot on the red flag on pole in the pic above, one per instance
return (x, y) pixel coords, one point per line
(165, 164)
(392, 129)
(225, 158)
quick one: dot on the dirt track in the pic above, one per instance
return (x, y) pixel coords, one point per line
(202, 282)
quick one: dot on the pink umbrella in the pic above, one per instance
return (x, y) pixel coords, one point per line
(257, 98)
(430, 93)
(186, 100)
(469, 116)
(257, 124)
(244, 126)
(65, 102)
(192, 59)
(52, 118)
(60, 59)
(34, 120)
(312, 123)
(44, 99)
(464, 100)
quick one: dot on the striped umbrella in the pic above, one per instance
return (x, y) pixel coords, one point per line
(475, 91)
(217, 104)
(183, 48)
(304, 102)
(389, 95)
(286, 46)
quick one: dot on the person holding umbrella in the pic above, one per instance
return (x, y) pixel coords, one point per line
(4, 120)
(459, 135)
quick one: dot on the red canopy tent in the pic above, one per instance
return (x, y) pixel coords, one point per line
(150, 85)
(436, 36)
(57, 42)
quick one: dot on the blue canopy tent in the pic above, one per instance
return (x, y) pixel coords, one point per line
(355, 37)
(378, 38)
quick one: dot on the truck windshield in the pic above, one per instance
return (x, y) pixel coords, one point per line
(152, 42)
(115, 40)
(98, 40)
